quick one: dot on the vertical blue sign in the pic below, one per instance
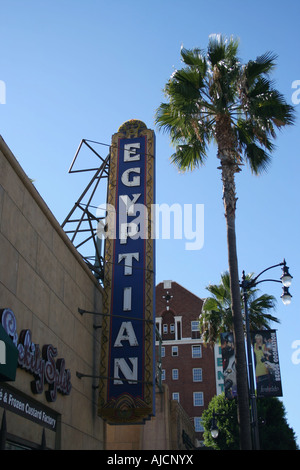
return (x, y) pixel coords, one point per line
(126, 391)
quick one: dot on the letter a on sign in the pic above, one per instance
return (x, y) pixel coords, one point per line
(126, 386)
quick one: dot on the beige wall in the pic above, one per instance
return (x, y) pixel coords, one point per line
(161, 432)
(44, 281)
(154, 434)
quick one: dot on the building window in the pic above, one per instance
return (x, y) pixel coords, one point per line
(175, 374)
(198, 424)
(198, 399)
(177, 327)
(163, 374)
(197, 351)
(163, 351)
(174, 350)
(195, 329)
(172, 328)
(165, 329)
(167, 284)
(197, 375)
(175, 396)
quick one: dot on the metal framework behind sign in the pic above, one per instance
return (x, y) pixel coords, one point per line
(81, 224)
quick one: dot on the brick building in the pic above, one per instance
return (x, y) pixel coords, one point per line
(188, 366)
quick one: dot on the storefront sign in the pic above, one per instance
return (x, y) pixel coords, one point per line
(8, 357)
(126, 390)
(267, 370)
(40, 363)
(23, 406)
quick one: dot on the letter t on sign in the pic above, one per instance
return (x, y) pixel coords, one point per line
(128, 261)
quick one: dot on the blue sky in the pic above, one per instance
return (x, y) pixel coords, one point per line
(77, 69)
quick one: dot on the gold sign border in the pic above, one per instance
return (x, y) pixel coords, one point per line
(126, 409)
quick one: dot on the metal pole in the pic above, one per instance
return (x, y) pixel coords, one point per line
(254, 421)
(159, 338)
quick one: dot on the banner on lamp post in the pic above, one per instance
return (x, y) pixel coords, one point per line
(228, 362)
(266, 359)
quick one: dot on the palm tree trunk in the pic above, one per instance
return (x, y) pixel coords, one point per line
(229, 198)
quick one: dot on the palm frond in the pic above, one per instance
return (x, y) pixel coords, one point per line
(255, 144)
(189, 156)
(214, 90)
(216, 313)
(186, 84)
(221, 49)
(195, 58)
(259, 315)
(263, 65)
(259, 160)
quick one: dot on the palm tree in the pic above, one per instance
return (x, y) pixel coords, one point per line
(215, 97)
(216, 315)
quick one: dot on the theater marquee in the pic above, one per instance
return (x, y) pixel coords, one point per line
(126, 389)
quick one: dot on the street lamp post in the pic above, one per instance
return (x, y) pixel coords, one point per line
(286, 297)
(253, 407)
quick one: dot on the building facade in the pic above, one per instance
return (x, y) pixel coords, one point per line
(50, 401)
(187, 365)
(170, 429)
(43, 282)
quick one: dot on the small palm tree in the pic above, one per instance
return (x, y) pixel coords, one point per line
(216, 316)
(214, 97)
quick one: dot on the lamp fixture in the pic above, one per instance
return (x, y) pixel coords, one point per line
(214, 430)
(286, 278)
(286, 297)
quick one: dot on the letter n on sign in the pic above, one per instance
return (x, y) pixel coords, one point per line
(127, 380)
